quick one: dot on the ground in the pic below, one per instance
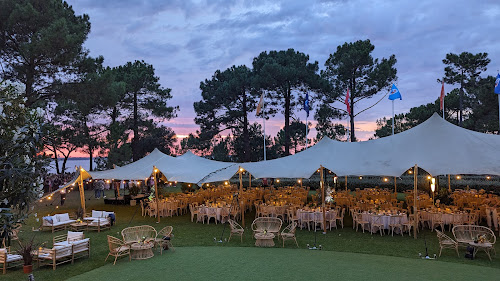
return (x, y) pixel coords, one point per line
(346, 253)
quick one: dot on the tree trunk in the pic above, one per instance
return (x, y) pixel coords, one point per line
(351, 114)
(246, 137)
(135, 155)
(91, 151)
(55, 159)
(460, 98)
(29, 84)
(287, 120)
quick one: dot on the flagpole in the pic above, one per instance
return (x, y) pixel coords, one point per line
(392, 117)
(307, 127)
(264, 125)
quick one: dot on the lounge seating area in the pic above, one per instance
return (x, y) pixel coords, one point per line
(66, 248)
(57, 222)
(9, 259)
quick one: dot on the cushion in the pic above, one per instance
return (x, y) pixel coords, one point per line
(96, 214)
(63, 243)
(72, 236)
(3, 251)
(63, 217)
(49, 219)
(11, 258)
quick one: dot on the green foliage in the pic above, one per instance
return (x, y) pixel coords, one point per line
(227, 99)
(40, 42)
(286, 76)
(352, 66)
(464, 69)
(21, 161)
(297, 136)
(143, 100)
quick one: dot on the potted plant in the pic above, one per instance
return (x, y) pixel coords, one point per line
(26, 251)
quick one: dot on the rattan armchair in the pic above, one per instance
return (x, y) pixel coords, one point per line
(445, 242)
(164, 239)
(289, 233)
(236, 229)
(117, 248)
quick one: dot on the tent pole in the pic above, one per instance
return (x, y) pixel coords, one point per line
(155, 171)
(415, 203)
(240, 172)
(449, 183)
(395, 186)
(322, 183)
(82, 192)
(249, 180)
(345, 183)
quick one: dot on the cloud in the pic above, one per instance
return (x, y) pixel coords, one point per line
(187, 41)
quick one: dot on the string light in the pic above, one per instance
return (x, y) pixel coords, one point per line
(410, 172)
(428, 177)
(360, 177)
(385, 179)
(458, 177)
(299, 181)
(226, 183)
(278, 180)
(488, 177)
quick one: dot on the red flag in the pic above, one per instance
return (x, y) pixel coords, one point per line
(441, 98)
(347, 102)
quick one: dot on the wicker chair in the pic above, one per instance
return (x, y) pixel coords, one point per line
(211, 213)
(270, 224)
(161, 240)
(445, 242)
(289, 233)
(117, 248)
(437, 220)
(136, 233)
(236, 229)
(465, 234)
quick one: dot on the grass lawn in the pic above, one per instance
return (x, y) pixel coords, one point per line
(191, 238)
(239, 263)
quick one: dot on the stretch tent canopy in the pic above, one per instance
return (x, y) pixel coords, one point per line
(436, 145)
(195, 169)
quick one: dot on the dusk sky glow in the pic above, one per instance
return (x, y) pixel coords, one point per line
(187, 41)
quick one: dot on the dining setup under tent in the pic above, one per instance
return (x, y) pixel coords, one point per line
(437, 146)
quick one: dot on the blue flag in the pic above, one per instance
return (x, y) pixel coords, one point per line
(395, 94)
(306, 104)
(497, 84)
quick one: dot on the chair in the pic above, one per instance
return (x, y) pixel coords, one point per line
(164, 239)
(224, 214)
(202, 214)
(289, 233)
(445, 242)
(409, 224)
(8, 260)
(236, 229)
(340, 217)
(211, 213)
(55, 256)
(117, 248)
(361, 222)
(194, 211)
(99, 224)
(437, 220)
(395, 223)
(377, 225)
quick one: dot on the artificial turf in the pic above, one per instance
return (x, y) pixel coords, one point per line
(192, 237)
(239, 263)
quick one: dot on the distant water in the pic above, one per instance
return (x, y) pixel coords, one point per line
(71, 164)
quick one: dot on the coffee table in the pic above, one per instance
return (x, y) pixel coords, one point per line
(142, 251)
(486, 247)
(77, 226)
(264, 239)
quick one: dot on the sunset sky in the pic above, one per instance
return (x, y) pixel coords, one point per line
(187, 41)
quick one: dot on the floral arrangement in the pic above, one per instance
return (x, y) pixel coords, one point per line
(265, 231)
(480, 239)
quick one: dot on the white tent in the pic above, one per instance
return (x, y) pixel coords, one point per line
(138, 170)
(195, 169)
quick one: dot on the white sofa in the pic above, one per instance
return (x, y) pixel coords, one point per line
(57, 222)
(99, 220)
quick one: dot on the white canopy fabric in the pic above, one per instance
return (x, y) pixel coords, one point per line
(436, 145)
(138, 170)
(195, 169)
